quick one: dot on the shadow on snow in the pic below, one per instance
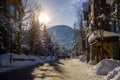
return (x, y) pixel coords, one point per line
(26, 73)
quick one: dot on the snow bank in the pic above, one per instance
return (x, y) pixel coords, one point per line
(33, 57)
(21, 56)
(43, 58)
(114, 74)
(105, 66)
(82, 58)
(4, 59)
(24, 56)
(93, 62)
(21, 60)
(50, 58)
(18, 65)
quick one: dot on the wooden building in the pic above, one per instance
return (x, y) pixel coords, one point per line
(101, 38)
(11, 13)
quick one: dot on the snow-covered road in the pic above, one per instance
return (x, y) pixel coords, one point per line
(60, 70)
(64, 70)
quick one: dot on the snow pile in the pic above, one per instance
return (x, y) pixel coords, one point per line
(5, 59)
(114, 74)
(21, 60)
(105, 66)
(24, 56)
(43, 58)
(92, 62)
(18, 61)
(19, 56)
(18, 65)
(33, 57)
(82, 58)
(50, 58)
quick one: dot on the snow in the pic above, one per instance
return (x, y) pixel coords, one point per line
(109, 68)
(21, 60)
(26, 47)
(21, 56)
(92, 62)
(82, 58)
(114, 74)
(33, 57)
(76, 70)
(4, 59)
(105, 66)
(50, 58)
(103, 16)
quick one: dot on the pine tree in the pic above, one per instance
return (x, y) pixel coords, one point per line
(5, 33)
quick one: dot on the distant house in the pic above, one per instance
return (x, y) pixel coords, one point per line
(11, 13)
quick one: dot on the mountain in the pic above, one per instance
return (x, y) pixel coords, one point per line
(62, 34)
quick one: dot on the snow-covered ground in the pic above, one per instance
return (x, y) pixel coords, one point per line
(114, 74)
(108, 68)
(104, 67)
(20, 61)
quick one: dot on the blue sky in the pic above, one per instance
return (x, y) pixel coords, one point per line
(61, 12)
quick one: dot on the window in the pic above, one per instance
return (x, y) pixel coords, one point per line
(11, 10)
(115, 28)
(17, 15)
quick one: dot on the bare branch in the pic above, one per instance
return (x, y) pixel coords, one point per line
(29, 7)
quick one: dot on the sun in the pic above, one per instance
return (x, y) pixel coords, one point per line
(43, 18)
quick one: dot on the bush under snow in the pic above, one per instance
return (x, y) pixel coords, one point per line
(114, 74)
(105, 66)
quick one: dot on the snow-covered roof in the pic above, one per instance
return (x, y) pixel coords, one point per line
(97, 34)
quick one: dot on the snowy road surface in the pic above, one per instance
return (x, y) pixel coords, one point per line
(60, 70)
